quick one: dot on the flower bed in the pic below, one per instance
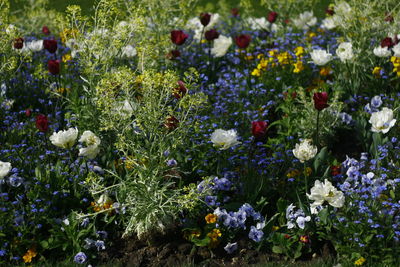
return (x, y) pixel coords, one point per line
(228, 135)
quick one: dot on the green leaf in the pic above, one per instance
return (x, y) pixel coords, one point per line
(201, 242)
(320, 158)
(44, 244)
(323, 215)
(277, 249)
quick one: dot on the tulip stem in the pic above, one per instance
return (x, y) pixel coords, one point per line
(317, 132)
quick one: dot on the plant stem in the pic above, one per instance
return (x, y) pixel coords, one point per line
(317, 132)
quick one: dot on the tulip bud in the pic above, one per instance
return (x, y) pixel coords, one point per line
(272, 16)
(205, 19)
(211, 35)
(180, 91)
(50, 45)
(19, 43)
(45, 30)
(259, 129)
(42, 123)
(320, 100)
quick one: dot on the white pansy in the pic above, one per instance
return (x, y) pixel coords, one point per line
(34, 46)
(64, 139)
(382, 52)
(224, 139)
(320, 57)
(305, 20)
(345, 51)
(129, 51)
(5, 168)
(382, 120)
(305, 151)
(396, 50)
(326, 192)
(221, 46)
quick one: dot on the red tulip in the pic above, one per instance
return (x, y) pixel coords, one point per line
(180, 91)
(235, 12)
(19, 43)
(320, 100)
(50, 45)
(45, 30)
(211, 35)
(54, 66)
(387, 42)
(272, 16)
(259, 129)
(173, 54)
(42, 123)
(243, 40)
(28, 112)
(178, 37)
(205, 18)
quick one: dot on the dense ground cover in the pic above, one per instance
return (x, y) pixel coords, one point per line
(141, 133)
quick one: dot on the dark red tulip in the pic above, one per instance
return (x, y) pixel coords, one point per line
(272, 16)
(180, 91)
(330, 11)
(54, 66)
(42, 123)
(28, 112)
(320, 100)
(50, 45)
(205, 18)
(211, 35)
(173, 54)
(243, 40)
(45, 30)
(19, 43)
(171, 123)
(387, 42)
(235, 12)
(259, 129)
(178, 37)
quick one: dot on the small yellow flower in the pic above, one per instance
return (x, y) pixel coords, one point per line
(360, 261)
(203, 41)
(214, 234)
(377, 72)
(298, 67)
(299, 51)
(260, 56)
(262, 65)
(273, 53)
(395, 61)
(275, 228)
(325, 71)
(249, 57)
(67, 34)
(66, 58)
(31, 253)
(211, 218)
(256, 72)
(307, 171)
(293, 173)
(284, 58)
(312, 35)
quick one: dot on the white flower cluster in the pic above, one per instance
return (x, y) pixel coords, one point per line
(221, 46)
(382, 120)
(66, 139)
(320, 57)
(5, 168)
(261, 24)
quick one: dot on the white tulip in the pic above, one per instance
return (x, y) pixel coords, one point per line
(325, 192)
(382, 120)
(345, 51)
(5, 168)
(382, 52)
(320, 57)
(224, 139)
(221, 46)
(64, 139)
(305, 151)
